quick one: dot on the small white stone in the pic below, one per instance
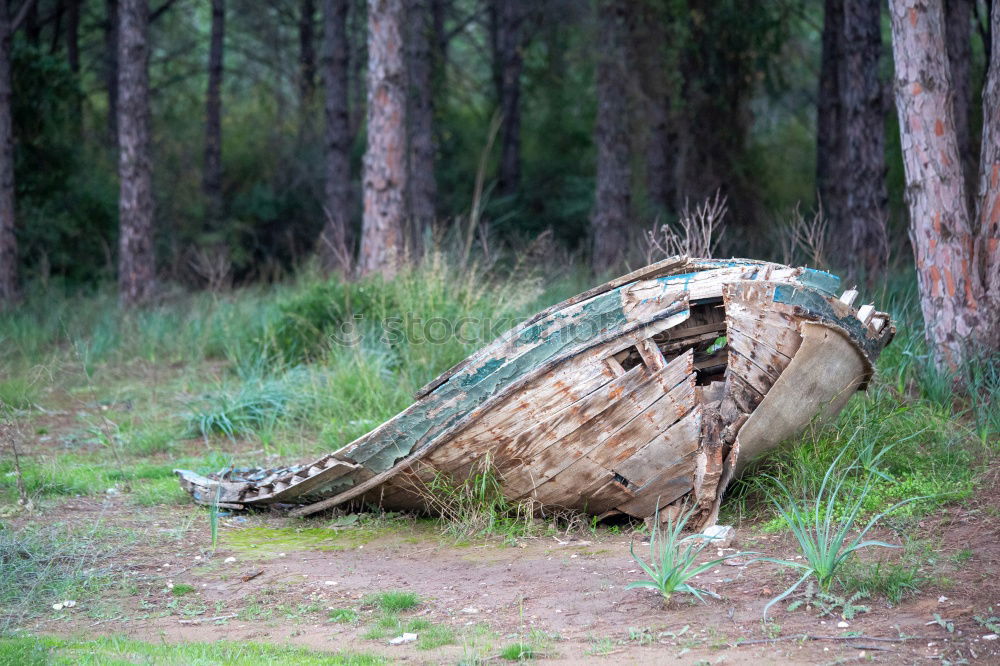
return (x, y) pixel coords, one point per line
(229, 559)
(470, 610)
(842, 625)
(329, 582)
(942, 599)
(405, 638)
(990, 637)
(281, 554)
(57, 607)
(69, 603)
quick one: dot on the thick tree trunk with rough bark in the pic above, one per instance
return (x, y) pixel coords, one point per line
(958, 37)
(111, 67)
(212, 170)
(952, 296)
(508, 18)
(865, 212)
(334, 244)
(307, 53)
(136, 260)
(829, 152)
(423, 186)
(987, 251)
(384, 182)
(8, 241)
(609, 220)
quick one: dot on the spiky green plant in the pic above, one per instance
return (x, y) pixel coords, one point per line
(823, 527)
(672, 558)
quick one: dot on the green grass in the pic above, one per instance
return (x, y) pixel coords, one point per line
(518, 652)
(17, 393)
(181, 589)
(394, 601)
(44, 564)
(29, 651)
(344, 615)
(435, 636)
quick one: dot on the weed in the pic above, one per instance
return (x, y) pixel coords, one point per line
(476, 506)
(117, 649)
(17, 393)
(642, 636)
(824, 529)
(213, 517)
(947, 625)
(518, 652)
(600, 647)
(827, 603)
(989, 621)
(393, 601)
(892, 581)
(180, 589)
(435, 636)
(672, 558)
(344, 615)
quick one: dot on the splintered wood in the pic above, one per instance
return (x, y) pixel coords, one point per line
(647, 393)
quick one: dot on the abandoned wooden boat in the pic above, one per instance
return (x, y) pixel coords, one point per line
(651, 390)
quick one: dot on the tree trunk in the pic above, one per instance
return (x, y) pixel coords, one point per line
(8, 241)
(212, 175)
(508, 64)
(307, 54)
(951, 293)
(829, 155)
(73, 35)
(611, 205)
(136, 260)
(382, 244)
(865, 212)
(958, 33)
(111, 68)
(987, 255)
(334, 245)
(423, 186)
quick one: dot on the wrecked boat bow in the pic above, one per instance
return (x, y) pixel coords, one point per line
(652, 390)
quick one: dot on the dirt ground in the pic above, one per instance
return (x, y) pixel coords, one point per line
(275, 580)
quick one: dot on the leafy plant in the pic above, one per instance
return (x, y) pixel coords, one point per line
(823, 527)
(991, 622)
(393, 601)
(672, 558)
(827, 603)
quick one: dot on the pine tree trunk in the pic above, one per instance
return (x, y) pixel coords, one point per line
(958, 33)
(951, 293)
(829, 150)
(334, 245)
(384, 182)
(307, 54)
(987, 256)
(865, 210)
(212, 175)
(136, 261)
(8, 241)
(509, 62)
(610, 216)
(111, 68)
(423, 186)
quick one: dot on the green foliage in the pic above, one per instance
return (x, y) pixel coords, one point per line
(181, 589)
(435, 636)
(519, 652)
(672, 558)
(344, 615)
(45, 564)
(393, 601)
(827, 527)
(893, 581)
(827, 603)
(988, 621)
(117, 649)
(477, 507)
(17, 393)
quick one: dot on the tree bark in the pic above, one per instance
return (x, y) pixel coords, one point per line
(987, 251)
(951, 293)
(829, 155)
(307, 53)
(958, 33)
(334, 244)
(9, 291)
(609, 219)
(212, 171)
(382, 243)
(111, 68)
(423, 186)
(136, 260)
(508, 64)
(865, 212)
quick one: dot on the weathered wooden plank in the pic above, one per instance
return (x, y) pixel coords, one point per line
(676, 442)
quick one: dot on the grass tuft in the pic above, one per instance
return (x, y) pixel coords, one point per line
(394, 601)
